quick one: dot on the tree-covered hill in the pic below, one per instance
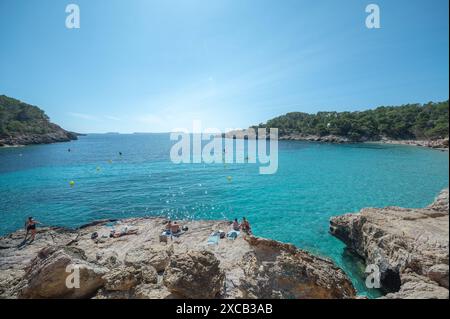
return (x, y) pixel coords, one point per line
(411, 121)
(22, 124)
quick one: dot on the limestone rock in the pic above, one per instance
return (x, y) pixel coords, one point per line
(277, 270)
(47, 275)
(121, 279)
(157, 256)
(402, 241)
(194, 275)
(140, 266)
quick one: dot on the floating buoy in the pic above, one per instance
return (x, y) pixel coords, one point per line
(110, 161)
(72, 183)
(98, 168)
(229, 178)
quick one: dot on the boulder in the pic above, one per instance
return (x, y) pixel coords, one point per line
(48, 276)
(157, 256)
(121, 279)
(281, 271)
(195, 274)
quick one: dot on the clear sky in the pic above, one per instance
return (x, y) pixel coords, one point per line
(152, 66)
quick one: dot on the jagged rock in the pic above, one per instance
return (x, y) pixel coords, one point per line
(122, 278)
(402, 241)
(107, 259)
(125, 278)
(149, 275)
(277, 270)
(439, 274)
(125, 267)
(418, 287)
(194, 275)
(157, 256)
(47, 275)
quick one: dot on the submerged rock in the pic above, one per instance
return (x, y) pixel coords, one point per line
(410, 246)
(140, 266)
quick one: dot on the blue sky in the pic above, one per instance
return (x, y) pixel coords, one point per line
(152, 66)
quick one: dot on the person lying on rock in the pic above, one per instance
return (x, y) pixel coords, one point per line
(30, 226)
(175, 228)
(123, 232)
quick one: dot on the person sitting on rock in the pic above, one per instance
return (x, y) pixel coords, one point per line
(168, 226)
(245, 226)
(175, 228)
(236, 225)
(30, 226)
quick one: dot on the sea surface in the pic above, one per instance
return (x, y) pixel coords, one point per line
(313, 182)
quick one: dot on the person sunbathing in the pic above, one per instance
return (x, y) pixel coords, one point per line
(123, 232)
(175, 228)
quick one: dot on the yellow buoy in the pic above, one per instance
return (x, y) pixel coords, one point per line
(72, 183)
(229, 178)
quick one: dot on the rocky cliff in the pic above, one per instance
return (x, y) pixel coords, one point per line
(25, 124)
(142, 266)
(410, 246)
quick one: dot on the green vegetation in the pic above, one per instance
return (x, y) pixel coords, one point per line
(411, 121)
(18, 118)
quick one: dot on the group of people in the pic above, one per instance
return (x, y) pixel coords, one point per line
(172, 228)
(243, 226)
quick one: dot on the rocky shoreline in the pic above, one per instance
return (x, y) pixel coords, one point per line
(34, 139)
(141, 266)
(440, 144)
(409, 246)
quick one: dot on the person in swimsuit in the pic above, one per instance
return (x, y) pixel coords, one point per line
(236, 226)
(175, 228)
(30, 226)
(245, 226)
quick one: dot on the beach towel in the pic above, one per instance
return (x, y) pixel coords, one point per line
(213, 239)
(232, 235)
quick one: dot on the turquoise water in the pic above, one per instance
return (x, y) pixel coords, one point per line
(313, 183)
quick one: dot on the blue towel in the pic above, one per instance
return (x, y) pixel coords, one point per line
(233, 234)
(213, 239)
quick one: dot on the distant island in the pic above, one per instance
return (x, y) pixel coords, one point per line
(425, 125)
(25, 124)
